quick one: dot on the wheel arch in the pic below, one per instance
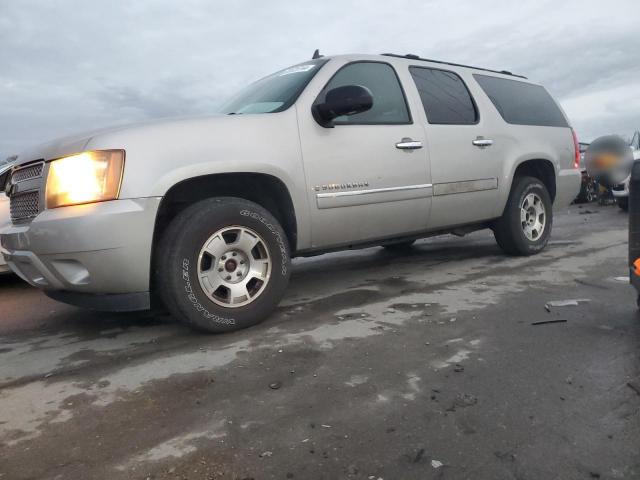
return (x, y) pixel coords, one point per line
(266, 190)
(540, 168)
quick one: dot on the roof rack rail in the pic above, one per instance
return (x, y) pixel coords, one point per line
(416, 57)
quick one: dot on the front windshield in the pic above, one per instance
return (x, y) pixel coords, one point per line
(274, 93)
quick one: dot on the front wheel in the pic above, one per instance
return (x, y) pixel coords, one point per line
(223, 264)
(525, 225)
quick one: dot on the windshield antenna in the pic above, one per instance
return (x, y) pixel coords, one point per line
(316, 54)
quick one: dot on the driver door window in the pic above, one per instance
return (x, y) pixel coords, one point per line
(389, 104)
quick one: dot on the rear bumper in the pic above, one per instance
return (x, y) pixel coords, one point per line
(96, 249)
(568, 183)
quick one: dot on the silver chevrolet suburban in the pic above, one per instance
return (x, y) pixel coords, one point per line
(203, 215)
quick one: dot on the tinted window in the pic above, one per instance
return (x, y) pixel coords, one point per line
(274, 93)
(389, 105)
(445, 97)
(522, 103)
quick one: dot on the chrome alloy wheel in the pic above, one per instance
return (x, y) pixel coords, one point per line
(234, 266)
(533, 216)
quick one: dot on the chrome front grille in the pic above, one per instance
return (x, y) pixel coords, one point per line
(24, 189)
(27, 173)
(24, 206)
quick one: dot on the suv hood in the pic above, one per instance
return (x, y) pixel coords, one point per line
(76, 143)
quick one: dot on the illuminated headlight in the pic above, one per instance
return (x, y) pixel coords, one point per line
(85, 178)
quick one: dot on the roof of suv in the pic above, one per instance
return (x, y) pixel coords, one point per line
(412, 57)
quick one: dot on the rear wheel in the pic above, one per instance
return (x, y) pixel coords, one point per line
(223, 264)
(525, 225)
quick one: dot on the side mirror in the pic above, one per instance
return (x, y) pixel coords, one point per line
(346, 100)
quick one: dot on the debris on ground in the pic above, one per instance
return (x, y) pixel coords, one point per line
(458, 368)
(275, 385)
(587, 212)
(418, 456)
(506, 456)
(436, 463)
(265, 454)
(634, 387)
(545, 322)
(590, 284)
(565, 303)
(463, 401)
(622, 279)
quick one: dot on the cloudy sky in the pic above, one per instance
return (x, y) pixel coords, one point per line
(68, 66)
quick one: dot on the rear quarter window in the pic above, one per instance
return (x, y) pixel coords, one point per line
(522, 103)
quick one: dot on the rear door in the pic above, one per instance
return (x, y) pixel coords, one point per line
(465, 155)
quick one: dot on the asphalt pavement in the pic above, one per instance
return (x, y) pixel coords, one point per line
(378, 365)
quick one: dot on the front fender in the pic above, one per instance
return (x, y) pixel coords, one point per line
(160, 155)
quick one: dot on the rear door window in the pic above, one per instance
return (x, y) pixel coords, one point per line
(522, 103)
(445, 97)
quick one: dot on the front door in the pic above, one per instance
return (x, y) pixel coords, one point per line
(367, 177)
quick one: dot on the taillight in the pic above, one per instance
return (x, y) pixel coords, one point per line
(576, 148)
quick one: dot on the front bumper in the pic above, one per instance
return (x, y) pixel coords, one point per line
(96, 249)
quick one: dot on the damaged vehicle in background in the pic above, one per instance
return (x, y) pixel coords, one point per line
(204, 215)
(588, 187)
(620, 191)
(5, 220)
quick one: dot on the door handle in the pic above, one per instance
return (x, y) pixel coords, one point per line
(408, 144)
(482, 142)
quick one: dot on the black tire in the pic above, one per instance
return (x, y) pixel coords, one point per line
(623, 203)
(508, 229)
(178, 255)
(400, 246)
